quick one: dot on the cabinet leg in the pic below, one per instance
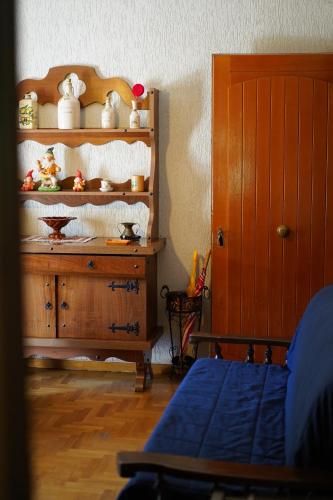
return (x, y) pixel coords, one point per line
(143, 371)
(147, 361)
(140, 380)
(149, 370)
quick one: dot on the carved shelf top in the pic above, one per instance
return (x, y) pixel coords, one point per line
(96, 87)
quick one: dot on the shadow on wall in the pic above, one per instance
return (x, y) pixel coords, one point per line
(184, 191)
(278, 44)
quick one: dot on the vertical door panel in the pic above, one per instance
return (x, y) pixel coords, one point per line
(290, 203)
(220, 190)
(262, 236)
(328, 274)
(248, 212)
(303, 235)
(277, 127)
(319, 173)
(39, 305)
(234, 236)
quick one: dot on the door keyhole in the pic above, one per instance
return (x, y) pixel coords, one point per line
(220, 237)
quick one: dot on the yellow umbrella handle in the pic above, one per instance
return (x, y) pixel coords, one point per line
(191, 286)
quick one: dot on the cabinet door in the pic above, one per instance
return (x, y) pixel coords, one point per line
(39, 305)
(94, 307)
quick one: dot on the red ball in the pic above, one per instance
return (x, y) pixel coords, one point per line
(138, 89)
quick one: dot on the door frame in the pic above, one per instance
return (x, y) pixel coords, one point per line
(14, 474)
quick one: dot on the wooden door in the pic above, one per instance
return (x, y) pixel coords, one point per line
(272, 166)
(93, 307)
(39, 305)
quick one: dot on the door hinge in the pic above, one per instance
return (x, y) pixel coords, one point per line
(129, 286)
(128, 328)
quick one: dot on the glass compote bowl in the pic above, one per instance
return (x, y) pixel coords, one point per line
(56, 223)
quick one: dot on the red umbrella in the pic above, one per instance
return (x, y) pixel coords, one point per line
(189, 323)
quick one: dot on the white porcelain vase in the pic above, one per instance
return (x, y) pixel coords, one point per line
(68, 108)
(134, 116)
(108, 117)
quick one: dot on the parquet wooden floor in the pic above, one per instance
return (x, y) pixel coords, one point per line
(78, 422)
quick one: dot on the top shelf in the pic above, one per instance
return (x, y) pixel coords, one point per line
(77, 137)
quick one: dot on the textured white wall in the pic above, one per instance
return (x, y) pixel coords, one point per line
(167, 45)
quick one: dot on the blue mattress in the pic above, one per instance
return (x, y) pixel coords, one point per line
(223, 410)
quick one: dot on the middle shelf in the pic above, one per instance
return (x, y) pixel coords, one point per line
(92, 194)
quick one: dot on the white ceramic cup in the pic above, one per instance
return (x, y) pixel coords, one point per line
(106, 185)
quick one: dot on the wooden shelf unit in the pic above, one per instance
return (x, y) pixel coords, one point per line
(92, 298)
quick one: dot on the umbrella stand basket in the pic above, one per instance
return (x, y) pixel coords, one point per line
(180, 308)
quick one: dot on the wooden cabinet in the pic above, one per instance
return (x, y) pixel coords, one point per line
(93, 299)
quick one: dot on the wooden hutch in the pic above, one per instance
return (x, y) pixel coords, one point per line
(93, 299)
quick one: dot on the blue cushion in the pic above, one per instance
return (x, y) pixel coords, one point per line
(226, 410)
(223, 410)
(309, 401)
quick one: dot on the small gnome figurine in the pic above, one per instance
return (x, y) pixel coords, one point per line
(79, 181)
(28, 182)
(48, 170)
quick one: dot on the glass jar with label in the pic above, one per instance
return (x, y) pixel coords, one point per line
(28, 112)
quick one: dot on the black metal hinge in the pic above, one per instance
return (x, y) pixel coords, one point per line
(129, 286)
(134, 328)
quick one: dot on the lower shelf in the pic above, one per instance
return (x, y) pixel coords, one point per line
(135, 351)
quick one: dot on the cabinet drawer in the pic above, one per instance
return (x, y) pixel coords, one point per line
(89, 264)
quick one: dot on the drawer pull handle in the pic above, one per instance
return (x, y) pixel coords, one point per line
(129, 286)
(136, 266)
(90, 264)
(64, 305)
(48, 306)
(134, 328)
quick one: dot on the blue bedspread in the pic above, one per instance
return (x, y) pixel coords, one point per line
(223, 410)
